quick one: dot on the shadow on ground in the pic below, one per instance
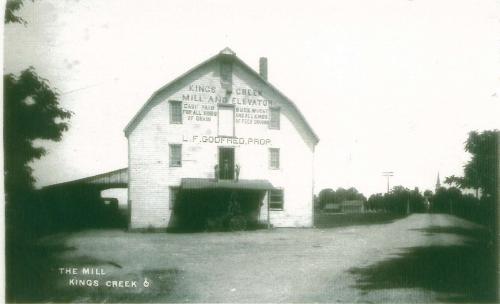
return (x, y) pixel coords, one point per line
(460, 273)
(480, 234)
(33, 276)
(334, 220)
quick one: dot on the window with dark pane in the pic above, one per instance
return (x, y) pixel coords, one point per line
(175, 112)
(276, 199)
(274, 158)
(175, 155)
(274, 119)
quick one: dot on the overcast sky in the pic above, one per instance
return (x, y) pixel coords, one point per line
(391, 85)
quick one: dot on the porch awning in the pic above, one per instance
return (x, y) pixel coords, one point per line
(242, 184)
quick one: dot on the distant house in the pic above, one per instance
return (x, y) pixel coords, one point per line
(332, 207)
(217, 134)
(356, 206)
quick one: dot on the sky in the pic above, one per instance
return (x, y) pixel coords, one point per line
(390, 85)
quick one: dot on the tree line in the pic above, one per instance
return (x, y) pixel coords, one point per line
(472, 196)
(330, 196)
(445, 200)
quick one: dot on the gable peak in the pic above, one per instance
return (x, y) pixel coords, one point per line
(227, 51)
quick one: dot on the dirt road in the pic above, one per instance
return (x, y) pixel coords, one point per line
(420, 258)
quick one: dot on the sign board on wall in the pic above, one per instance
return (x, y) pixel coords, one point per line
(250, 107)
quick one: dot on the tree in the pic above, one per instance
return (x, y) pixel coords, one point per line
(31, 111)
(353, 194)
(400, 200)
(10, 9)
(326, 196)
(329, 196)
(480, 172)
(452, 200)
(376, 202)
(445, 198)
(350, 194)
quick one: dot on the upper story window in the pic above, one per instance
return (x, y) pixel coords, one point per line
(274, 158)
(276, 200)
(175, 111)
(274, 118)
(226, 120)
(175, 155)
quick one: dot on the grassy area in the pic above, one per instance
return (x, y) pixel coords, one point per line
(333, 220)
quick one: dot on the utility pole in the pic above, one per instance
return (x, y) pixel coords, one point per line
(408, 204)
(388, 174)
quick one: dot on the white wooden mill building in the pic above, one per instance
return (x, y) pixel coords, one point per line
(217, 133)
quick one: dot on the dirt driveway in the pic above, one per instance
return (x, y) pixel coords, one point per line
(421, 258)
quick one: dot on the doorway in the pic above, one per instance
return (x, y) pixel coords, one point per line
(226, 163)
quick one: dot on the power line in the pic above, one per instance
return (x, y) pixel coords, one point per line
(79, 89)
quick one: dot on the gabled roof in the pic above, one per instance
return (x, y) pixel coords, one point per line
(224, 53)
(116, 178)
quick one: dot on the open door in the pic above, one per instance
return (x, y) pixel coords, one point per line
(226, 163)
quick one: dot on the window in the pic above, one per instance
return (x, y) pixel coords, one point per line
(274, 158)
(174, 194)
(175, 112)
(276, 199)
(274, 119)
(226, 120)
(175, 155)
